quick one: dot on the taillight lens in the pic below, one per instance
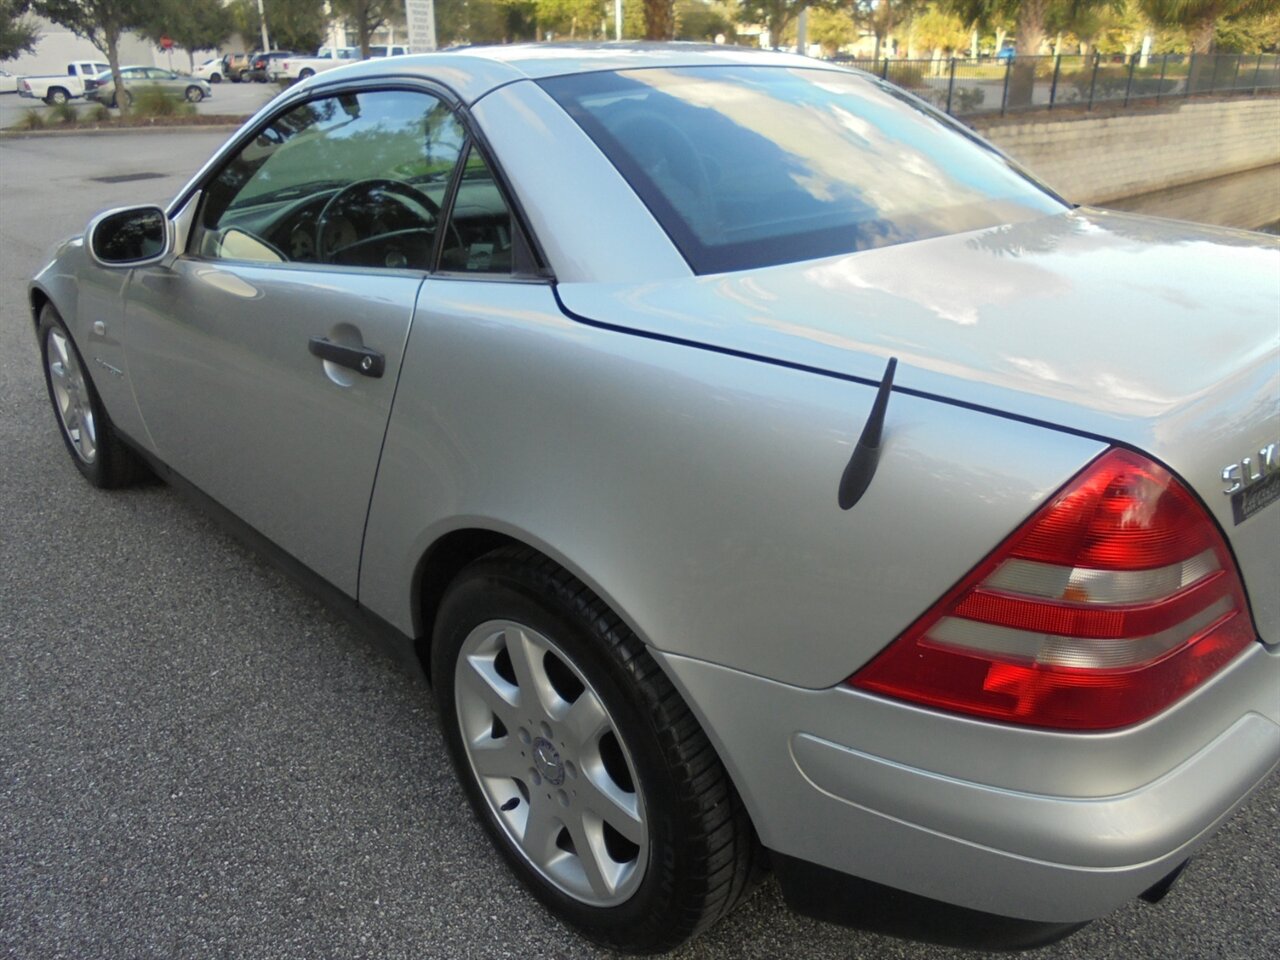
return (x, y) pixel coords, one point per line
(1111, 602)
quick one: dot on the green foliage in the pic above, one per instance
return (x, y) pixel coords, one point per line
(18, 33)
(63, 113)
(30, 120)
(191, 26)
(938, 29)
(291, 24)
(1259, 33)
(832, 29)
(100, 113)
(155, 101)
(1200, 18)
(705, 20)
(362, 16)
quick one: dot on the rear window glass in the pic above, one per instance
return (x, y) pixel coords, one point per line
(752, 166)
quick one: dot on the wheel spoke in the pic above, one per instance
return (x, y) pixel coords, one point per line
(499, 758)
(586, 719)
(541, 828)
(482, 681)
(589, 845)
(526, 656)
(598, 794)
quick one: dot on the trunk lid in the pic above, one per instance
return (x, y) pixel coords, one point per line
(1160, 335)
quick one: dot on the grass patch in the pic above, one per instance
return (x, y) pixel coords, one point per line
(31, 120)
(154, 102)
(63, 113)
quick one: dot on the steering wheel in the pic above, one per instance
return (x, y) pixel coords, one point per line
(408, 197)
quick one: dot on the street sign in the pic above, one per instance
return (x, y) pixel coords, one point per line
(421, 18)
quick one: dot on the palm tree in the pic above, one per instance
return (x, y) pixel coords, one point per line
(1199, 17)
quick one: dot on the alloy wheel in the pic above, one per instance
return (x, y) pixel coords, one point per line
(550, 763)
(71, 396)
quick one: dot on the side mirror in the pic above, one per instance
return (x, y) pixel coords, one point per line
(129, 237)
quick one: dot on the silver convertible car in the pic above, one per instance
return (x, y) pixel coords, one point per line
(768, 473)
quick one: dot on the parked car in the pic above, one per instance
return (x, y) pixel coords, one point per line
(102, 88)
(834, 490)
(261, 65)
(59, 88)
(1006, 53)
(299, 67)
(210, 70)
(8, 82)
(236, 65)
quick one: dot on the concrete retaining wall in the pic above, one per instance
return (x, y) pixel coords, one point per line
(1095, 159)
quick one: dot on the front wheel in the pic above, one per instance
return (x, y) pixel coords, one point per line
(306, 72)
(194, 94)
(100, 455)
(587, 769)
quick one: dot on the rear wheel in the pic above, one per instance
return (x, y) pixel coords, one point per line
(194, 94)
(215, 77)
(57, 96)
(306, 72)
(584, 764)
(100, 455)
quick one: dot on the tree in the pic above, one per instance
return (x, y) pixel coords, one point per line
(777, 15)
(1032, 17)
(659, 19)
(191, 26)
(291, 24)
(101, 22)
(364, 16)
(938, 31)
(832, 29)
(1200, 17)
(17, 33)
(883, 16)
(703, 20)
(1259, 33)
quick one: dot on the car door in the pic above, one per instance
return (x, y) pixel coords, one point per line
(265, 358)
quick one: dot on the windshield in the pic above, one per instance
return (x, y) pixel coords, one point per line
(751, 166)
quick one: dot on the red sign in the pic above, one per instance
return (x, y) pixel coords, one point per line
(166, 43)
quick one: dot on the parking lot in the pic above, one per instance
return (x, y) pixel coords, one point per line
(234, 99)
(199, 760)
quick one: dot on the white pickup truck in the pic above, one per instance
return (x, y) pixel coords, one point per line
(299, 68)
(60, 88)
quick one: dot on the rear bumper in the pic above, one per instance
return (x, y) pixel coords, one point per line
(1033, 825)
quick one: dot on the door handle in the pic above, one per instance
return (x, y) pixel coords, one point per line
(360, 359)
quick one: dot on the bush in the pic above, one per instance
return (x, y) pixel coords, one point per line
(63, 113)
(31, 120)
(154, 101)
(100, 113)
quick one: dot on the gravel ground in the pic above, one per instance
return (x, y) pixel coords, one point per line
(198, 760)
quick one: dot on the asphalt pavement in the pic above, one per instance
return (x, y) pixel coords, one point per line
(233, 99)
(198, 760)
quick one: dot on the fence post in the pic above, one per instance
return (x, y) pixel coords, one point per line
(884, 68)
(1191, 73)
(1256, 71)
(1164, 62)
(1004, 97)
(951, 86)
(1235, 80)
(1093, 82)
(1133, 62)
(1053, 87)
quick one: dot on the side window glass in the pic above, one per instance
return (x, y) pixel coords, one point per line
(356, 179)
(479, 237)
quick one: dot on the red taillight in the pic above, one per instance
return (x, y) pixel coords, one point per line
(1114, 600)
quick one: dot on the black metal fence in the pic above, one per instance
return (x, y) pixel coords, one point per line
(968, 87)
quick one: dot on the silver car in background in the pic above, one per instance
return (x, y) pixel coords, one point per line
(102, 88)
(766, 470)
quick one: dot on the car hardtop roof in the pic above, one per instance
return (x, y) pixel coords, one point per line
(473, 71)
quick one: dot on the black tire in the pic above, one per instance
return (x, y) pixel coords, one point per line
(193, 94)
(306, 72)
(56, 95)
(242, 76)
(215, 77)
(113, 463)
(701, 853)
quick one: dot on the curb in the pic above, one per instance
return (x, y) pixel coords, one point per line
(8, 134)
